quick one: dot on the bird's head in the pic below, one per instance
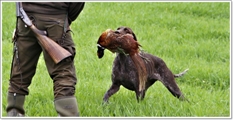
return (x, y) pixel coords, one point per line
(103, 42)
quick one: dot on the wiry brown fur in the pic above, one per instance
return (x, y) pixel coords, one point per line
(127, 45)
(138, 70)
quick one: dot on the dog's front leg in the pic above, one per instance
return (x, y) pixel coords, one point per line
(140, 95)
(112, 90)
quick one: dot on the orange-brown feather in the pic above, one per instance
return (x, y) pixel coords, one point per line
(113, 42)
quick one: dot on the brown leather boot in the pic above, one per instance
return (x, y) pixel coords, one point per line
(15, 105)
(66, 106)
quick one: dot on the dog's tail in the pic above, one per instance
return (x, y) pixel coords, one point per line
(180, 74)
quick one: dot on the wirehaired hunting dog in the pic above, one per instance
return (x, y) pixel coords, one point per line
(132, 68)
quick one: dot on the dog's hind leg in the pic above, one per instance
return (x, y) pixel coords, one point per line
(169, 82)
(112, 90)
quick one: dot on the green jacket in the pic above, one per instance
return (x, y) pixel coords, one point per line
(54, 8)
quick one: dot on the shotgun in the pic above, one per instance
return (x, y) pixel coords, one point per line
(56, 52)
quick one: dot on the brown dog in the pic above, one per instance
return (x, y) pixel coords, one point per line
(125, 71)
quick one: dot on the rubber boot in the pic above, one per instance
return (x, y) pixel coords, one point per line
(66, 106)
(15, 105)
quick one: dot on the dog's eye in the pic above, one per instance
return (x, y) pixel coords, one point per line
(126, 30)
(117, 32)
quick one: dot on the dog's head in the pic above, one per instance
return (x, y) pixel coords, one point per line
(126, 30)
(103, 40)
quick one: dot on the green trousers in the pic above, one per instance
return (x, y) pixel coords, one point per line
(27, 51)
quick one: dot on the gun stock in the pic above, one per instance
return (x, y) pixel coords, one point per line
(56, 52)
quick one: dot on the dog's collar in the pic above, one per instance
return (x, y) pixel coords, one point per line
(98, 45)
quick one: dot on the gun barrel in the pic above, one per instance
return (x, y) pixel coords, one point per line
(22, 14)
(18, 13)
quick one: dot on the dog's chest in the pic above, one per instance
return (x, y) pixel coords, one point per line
(124, 69)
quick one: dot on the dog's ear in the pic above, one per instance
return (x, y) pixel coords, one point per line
(134, 36)
(130, 31)
(100, 51)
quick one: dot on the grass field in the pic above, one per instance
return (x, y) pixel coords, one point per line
(194, 35)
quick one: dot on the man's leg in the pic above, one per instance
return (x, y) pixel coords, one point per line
(25, 58)
(64, 78)
(64, 89)
(63, 73)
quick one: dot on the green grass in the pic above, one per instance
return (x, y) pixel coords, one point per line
(194, 35)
